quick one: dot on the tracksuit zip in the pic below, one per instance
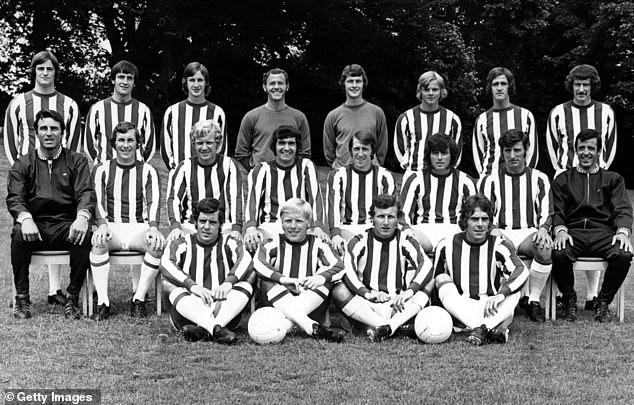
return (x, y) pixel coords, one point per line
(585, 220)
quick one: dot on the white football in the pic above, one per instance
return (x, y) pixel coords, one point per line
(433, 325)
(267, 325)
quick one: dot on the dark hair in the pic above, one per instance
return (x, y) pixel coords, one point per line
(587, 134)
(365, 137)
(513, 136)
(122, 128)
(42, 57)
(441, 142)
(283, 132)
(582, 72)
(49, 114)
(384, 201)
(190, 70)
(124, 66)
(353, 71)
(208, 206)
(470, 204)
(499, 71)
(275, 71)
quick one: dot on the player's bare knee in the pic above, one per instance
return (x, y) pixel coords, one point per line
(543, 255)
(99, 250)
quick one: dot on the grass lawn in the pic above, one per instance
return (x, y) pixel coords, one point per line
(144, 362)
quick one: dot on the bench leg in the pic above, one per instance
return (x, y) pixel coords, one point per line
(158, 287)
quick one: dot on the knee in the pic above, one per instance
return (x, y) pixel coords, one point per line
(543, 254)
(96, 250)
(340, 294)
(619, 257)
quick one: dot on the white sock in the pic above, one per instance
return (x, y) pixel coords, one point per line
(410, 309)
(359, 309)
(193, 308)
(539, 274)
(100, 267)
(294, 308)
(149, 270)
(593, 278)
(234, 304)
(54, 278)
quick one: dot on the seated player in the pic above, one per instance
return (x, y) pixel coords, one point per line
(521, 209)
(272, 183)
(207, 174)
(296, 270)
(207, 278)
(432, 197)
(351, 189)
(478, 275)
(376, 289)
(127, 218)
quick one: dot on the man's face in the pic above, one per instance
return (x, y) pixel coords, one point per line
(587, 154)
(196, 85)
(514, 158)
(45, 74)
(500, 89)
(295, 226)
(431, 94)
(385, 221)
(582, 91)
(207, 228)
(354, 87)
(276, 87)
(123, 84)
(361, 155)
(478, 226)
(125, 145)
(205, 147)
(49, 132)
(286, 149)
(439, 160)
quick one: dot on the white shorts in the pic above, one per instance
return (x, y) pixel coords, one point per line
(437, 232)
(517, 236)
(126, 232)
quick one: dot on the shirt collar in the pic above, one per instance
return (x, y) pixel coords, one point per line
(593, 171)
(42, 157)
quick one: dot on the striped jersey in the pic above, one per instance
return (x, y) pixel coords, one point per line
(489, 127)
(186, 262)
(279, 257)
(564, 124)
(520, 201)
(350, 194)
(177, 124)
(19, 121)
(191, 181)
(269, 186)
(427, 198)
(414, 126)
(374, 264)
(127, 194)
(104, 115)
(489, 268)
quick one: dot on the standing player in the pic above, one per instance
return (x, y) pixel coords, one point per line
(20, 134)
(127, 217)
(180, 117)
(207, 278)
(355, 114)
(351, 189)
(258, 125)
(297, 269)
(432, 197)
(105, 114)
(491, 124)
(564, 124)
(375, 289)
(206, 174)
(416, 124)
(478, 275)
(521, 200)
(272, 183)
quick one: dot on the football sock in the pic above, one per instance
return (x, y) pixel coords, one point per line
(233, 305)
(193, 308)
(360, 310)
(593, 284)
(149, 270)
(539, 274)
(294, 309)
(100, 267)
(410, 309)
(54, 278)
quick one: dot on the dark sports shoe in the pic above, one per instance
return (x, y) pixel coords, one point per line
(329, 334)
(477, 336)
(137, 309)
(523, 304)
(195, 333)
(498, 335)
(22, 307)
(570, 310)
(407, 330)
(103, 313)
(590, 304)
(58, 299)
(224, 335)
(72, 311)
(380, 333)
(536, 312)
(602, 312)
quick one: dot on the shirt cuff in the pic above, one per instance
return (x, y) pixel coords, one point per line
(624, 231)
(84, 213)
(560, 228)
(24, 215)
